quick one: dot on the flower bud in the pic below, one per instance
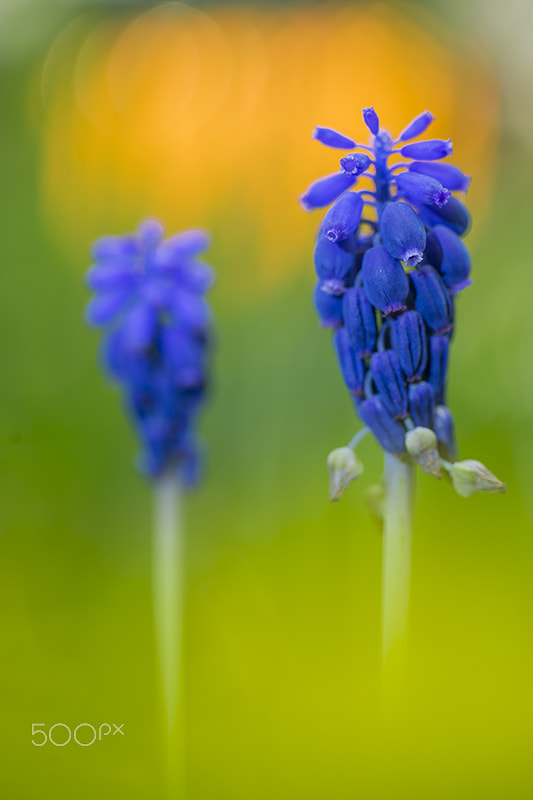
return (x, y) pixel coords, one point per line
(403, 233)
(325, 190)
(450, 176)
(432, 299)
(469, 477)
(417, 126)
(334, 265)
(332, 138)
(454, 215)
(355, 163)
(390, 382)
(430, 150)
(360, 322)
(422, 189)
(449, 255)
(421, 444)
(389, 432)
(422, 404)
(344, 467)
(385, 283)
(375, 499)
(438, 366)
(344, 216)
(444, 428)
(328, 307)
(371, 120)
(352, 369)
(409, 340)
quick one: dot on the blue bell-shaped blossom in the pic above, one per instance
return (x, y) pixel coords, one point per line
(454, 215)
(332, 138)
(384, 280)
(422, 404)
(431, 299)
(389, 432)
(444, 428)
(409, 341)
(352, 369)
(431, 150)
(438, 366)
(325, 190)
(402, 233)
(343, 218)
(389, 379)
(417, 126)
(334, 265)
(449, 255)
(328, 307)
(422, 189)
(449, 175)
(355, 163)
(371, 120)
(359, 321)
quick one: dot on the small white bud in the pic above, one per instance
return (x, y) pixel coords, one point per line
(469, 477)
(375, 498)
(344, 467)
(421, 444)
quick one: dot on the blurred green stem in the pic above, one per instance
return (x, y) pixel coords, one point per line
(167, 579)
(397, 524)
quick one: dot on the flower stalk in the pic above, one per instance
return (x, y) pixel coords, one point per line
(396, 573)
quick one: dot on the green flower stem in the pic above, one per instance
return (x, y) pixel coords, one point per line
(397, 525)
(167, 577)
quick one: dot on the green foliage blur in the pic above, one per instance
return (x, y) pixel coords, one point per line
(282, 643)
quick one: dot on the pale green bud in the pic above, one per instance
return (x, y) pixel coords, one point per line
(421, 444)
(344, 467)
(469, 477)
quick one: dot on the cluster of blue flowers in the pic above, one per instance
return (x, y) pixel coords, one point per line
(389, 262)
(150, 302)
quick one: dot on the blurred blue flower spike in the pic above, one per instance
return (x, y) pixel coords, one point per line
(149, 301)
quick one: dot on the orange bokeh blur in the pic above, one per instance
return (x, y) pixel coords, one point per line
(204, 118)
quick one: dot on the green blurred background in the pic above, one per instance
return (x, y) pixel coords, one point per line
(102, 125)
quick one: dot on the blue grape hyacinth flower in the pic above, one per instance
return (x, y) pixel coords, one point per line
(149, 301)
(393, 252)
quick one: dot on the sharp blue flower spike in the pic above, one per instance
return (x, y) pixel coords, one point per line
(332, 138)
(328, 307)
(385, 283)
(355, 163)
(422, 189)
(407, 263)
(431, 299)
(449, 175)
(389, 432)
(343, 218)
(325, 190)
(360, 322)
(438, 366)
(449, 255)
(445, 431)
(409, 341)
(402, 233)
(371, 120)
(431, 150)
(454, 215)
(390, 382)
(417, 126)
(353, 369)
(422, 404)
(334, 265)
